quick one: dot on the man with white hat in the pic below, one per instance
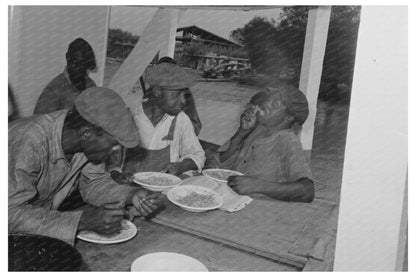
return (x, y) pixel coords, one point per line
(52, 154)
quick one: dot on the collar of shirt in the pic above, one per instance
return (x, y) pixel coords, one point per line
(57, 150)
(151, 137)
(87, 80)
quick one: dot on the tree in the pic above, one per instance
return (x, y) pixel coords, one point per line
(276, 47)
(259, 38)
(118, 37)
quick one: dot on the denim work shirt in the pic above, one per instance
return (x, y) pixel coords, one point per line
(40, 178)
(59, 94)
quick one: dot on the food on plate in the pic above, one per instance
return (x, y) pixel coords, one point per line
(198, 200)
(221, 174)
(157, 181)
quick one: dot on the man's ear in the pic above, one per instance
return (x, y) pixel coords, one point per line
(289, 118)
(85, 133)
(156, 91)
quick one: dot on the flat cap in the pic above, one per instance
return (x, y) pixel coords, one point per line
(294, 100)
(171, 76)
(106, 109)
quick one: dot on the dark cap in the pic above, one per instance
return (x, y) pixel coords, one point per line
(171, 76)
(294, 100)
(106, 109)
(81, 45)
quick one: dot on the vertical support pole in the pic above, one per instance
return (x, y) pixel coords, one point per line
(15, 47)
(101, 63)
(376, 151)
(312, 62)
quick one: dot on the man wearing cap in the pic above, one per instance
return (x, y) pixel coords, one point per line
(167, 140)
(52, 154)
(62, 91)
(266, 149)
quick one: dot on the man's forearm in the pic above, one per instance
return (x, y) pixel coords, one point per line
(298, 191)
(187, 164)
(235, 143)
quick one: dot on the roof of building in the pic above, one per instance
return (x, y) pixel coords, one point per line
(206, 35)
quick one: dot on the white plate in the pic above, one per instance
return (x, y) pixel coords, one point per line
(124, 235)
(207, 172)
(143, 175)
(166, 261)
(178, 192)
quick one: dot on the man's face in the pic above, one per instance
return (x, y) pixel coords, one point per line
(77, 64)
(171, 101)
(269, 112)
(98, 147)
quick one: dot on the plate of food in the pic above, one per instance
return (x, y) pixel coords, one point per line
(128, 231)
(167, 261)
(195, 198)
(156, 181)
(220, 175)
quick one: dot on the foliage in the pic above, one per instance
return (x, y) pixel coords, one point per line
(117, 37)
(276, 47)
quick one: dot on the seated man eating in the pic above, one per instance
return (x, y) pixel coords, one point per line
(167, 140)
(266, 149)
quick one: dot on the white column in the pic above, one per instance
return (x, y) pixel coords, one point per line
(155, 37)
(312, 62)
(375, 165)
(15, 45)
(101, 62)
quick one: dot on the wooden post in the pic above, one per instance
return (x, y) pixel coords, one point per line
(312, 62)
(376, 153)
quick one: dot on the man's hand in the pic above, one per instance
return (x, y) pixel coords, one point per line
(180, 167)
(124, 178)
(248, 118)
(144, 203)
(242, 184)
(105, 220)
(173, 168)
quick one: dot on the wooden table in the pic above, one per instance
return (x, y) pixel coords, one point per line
(153, 237)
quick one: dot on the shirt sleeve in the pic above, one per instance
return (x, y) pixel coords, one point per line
(98, 188)
(189, 146)
(48, 101)
(26, 160)
(295, 165)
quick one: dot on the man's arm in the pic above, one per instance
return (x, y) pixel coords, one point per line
(25, 164)
(48, 101)
(298, 191)
(98, 188)
(235, 144)
(191, 154)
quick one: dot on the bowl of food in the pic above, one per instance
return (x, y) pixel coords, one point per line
(220, 175)
(156, 181)
(167, 261)
(195, 198)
